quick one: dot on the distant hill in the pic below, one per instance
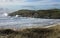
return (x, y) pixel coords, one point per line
(50, 13)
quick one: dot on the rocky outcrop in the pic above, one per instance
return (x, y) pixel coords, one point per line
(50, 14)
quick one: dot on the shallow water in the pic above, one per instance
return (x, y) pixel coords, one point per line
(25, 22)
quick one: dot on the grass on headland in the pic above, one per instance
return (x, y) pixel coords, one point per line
(51, 32)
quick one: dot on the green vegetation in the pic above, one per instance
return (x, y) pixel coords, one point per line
(50, 13)
(51, 32)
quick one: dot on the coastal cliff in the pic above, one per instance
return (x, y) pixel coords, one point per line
(49, 14)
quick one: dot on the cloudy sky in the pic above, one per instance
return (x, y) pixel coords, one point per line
(29, 4)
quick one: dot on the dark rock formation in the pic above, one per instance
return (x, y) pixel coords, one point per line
(50, 14)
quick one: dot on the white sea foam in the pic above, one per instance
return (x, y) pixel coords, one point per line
(26, 22)
(5, 14)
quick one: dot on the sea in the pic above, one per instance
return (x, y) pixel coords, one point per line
(25, 22)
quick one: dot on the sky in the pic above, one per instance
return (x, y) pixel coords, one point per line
(29, 4)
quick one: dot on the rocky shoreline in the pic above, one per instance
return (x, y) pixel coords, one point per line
(48, 14)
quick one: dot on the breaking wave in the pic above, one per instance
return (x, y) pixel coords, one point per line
(15, 21)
